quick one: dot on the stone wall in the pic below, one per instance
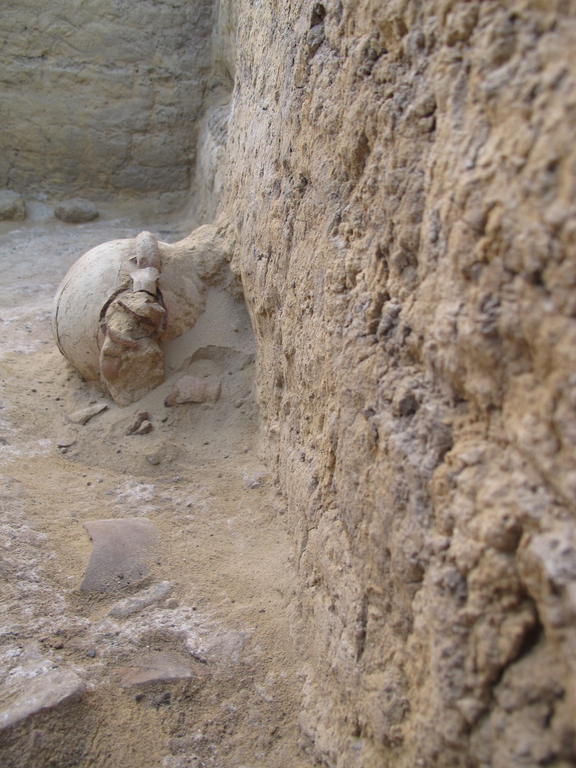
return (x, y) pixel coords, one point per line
(401, 199)
(103, 97)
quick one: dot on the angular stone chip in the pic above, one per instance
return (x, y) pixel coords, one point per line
(24, 697)
(11, 206)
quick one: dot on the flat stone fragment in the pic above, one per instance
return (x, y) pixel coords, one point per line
(66, 442)
(24, 697)
(76, 211)
(123, 549)
(11, 206)
(156, 666)
(84, 415)
(190, 389)
(141, 600)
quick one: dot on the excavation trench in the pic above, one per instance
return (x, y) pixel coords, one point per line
(195, 664)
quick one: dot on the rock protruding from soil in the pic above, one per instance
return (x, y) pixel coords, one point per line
(23, 697)
(76, 211)
(122, 553)
(140, 424)
(190, 389)
(11, 206)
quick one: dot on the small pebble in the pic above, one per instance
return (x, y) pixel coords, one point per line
(100, 480)
(206, 442)
(176, 479)
(66, 442)
(245, 450)
(91, 653)
(171, 603)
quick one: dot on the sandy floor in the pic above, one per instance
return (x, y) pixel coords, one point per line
(222, 552)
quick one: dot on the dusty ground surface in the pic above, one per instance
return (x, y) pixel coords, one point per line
(224, 617)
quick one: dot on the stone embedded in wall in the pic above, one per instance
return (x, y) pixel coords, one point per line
(76, 211)
(11, 206)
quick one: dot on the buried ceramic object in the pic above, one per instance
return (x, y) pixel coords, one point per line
(121, 300)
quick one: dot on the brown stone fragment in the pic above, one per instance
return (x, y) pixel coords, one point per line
(140, 424)
(123, 549)
(190, 389)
